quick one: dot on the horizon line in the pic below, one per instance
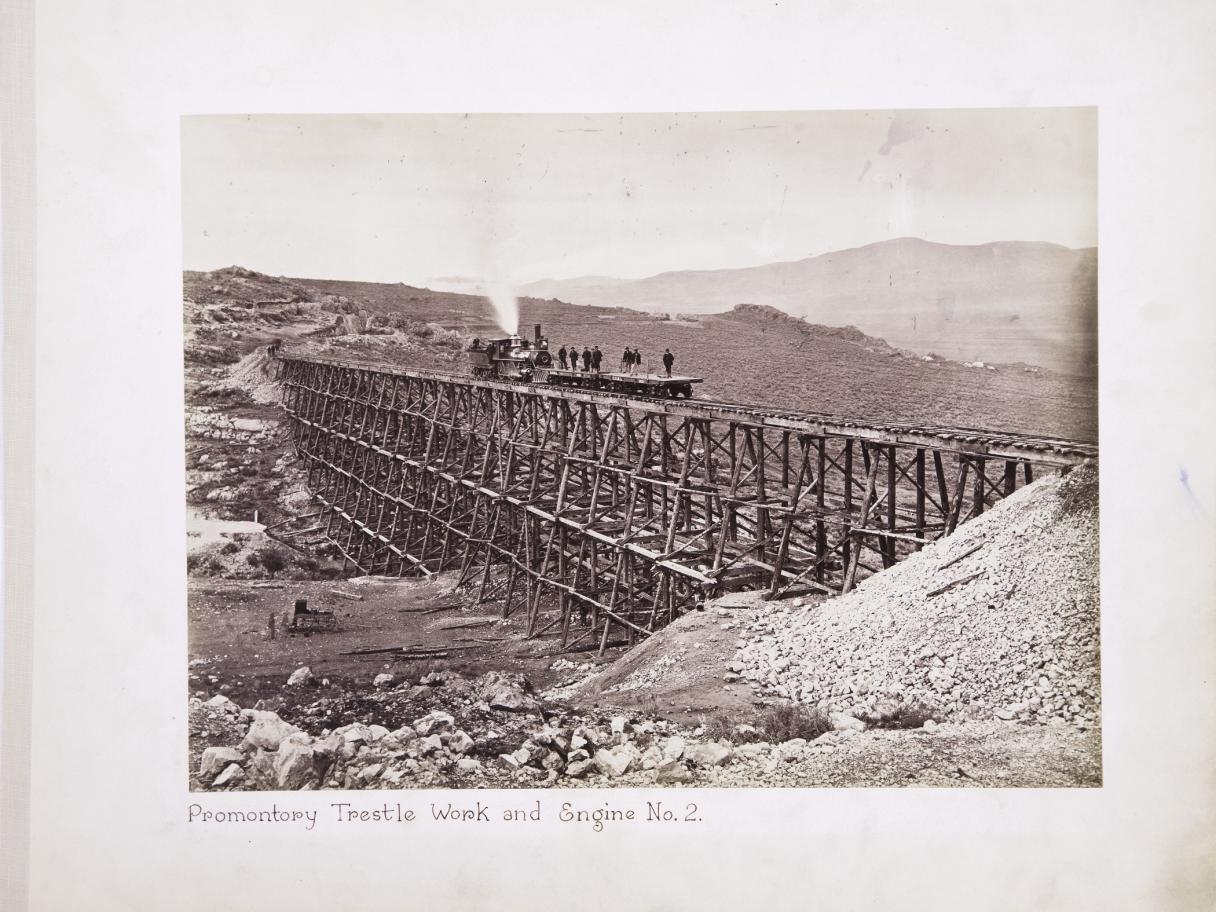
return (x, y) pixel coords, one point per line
(601, 276)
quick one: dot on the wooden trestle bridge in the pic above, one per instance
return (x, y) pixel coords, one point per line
(597, 513)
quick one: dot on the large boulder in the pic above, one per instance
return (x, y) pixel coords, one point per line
(216, 759)
(267, 730)
(672, 772)
(399, 738)
(434, 723)
(577, 769)
(674, 747)
(260, 770)
(511, 761)
(712, 753)
(232, 775)
(300, 677)
(617, 761)
(354, 733)
(431, 744)
(294, 764)
(326, 750)
(223, 704)
(370, 773)
(507, 691)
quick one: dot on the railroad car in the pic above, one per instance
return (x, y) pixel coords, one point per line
(516, 358)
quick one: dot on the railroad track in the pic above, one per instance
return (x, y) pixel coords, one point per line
(997, 442)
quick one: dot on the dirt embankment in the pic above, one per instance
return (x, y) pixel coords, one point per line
(681, 672)
(1000, 620)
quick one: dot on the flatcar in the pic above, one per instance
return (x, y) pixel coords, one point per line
(530, 361)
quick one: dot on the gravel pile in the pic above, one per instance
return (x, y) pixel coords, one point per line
(254, 374)
(1015, 637)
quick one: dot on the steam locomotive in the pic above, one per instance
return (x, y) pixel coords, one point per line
(516, 358)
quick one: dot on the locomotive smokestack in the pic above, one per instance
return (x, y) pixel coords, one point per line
(537, 328)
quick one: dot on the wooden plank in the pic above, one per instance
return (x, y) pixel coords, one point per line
(967, 553)
(958, 582)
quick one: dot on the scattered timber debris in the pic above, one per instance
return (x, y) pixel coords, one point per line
(406, 651)
(351, 596)
(303, 531)
(958, 582)
(957, 558)
(439, 608)
(461, 625)
(375, 650)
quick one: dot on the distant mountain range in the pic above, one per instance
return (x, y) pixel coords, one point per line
(1004, 302)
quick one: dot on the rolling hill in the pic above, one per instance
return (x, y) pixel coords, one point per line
(1004, 302)
(750, 354)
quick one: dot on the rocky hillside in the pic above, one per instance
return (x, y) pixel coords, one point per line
(1002, 302)
(243, 480)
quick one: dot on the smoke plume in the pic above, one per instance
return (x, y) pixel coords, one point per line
(506, 308)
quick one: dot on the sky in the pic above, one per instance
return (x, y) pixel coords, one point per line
(505, 199)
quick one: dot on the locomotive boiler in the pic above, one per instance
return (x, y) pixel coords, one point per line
(512, 358)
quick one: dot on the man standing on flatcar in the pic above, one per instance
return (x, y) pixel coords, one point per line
(668, 360)
(626, 360)
(597, 358)
(561, 356)
(637, 360)
(587, 360)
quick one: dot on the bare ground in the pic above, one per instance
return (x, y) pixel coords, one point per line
(675, 679)
(231, 653)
